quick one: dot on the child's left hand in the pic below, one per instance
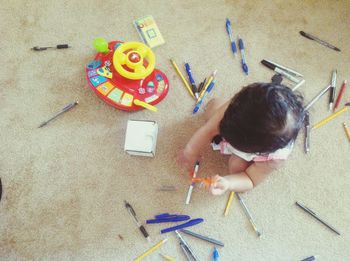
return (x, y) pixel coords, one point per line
(220, 186)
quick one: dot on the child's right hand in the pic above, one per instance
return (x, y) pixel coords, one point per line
(220, 185)
(187, 160)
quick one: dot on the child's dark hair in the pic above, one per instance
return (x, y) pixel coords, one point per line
(262, 118)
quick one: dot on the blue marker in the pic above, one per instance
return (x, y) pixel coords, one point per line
(190, 77)
(190, 223)
(244, 61)
(216, 254)
(310, 258)
(230, 34)
(199, 103)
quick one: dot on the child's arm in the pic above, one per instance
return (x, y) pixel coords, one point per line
(246, 180)
(203, 136)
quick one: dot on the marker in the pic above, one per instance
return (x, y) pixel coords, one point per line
(190, 223)
(333, 86)
(229, 202)
(65, 109)
(346, 129)
(167, 188)
(59, 46)
(290, 71)
(211, 78)
(307, 133)
(249, 216)
(318, 40)
(316, 98)
(201, 85)
(0, 190)
(208, 239)
(169, 258)
(310, 258)
(186, 248)
(309, 211)
(190, 77)
(200, 102)
(152, 249)
(301, 82)
(334, 115)
(215, 254)
(133, 214)
(182, 77)
(244, 61)
(280, 71)
(340, 94)
(230, 34)
(189, 193)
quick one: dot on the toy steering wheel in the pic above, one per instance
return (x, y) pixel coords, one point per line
(132, 55)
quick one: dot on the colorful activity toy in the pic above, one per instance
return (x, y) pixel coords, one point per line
(124, 75)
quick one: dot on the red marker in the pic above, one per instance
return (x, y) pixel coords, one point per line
(340, 95)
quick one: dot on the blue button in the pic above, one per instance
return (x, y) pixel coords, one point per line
(94, 64)
(97, 80)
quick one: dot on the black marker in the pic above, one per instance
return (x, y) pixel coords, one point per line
(333, 86)
(133, 214)
(59, 46)
(318, 40)
(307, 132)
(0, 189)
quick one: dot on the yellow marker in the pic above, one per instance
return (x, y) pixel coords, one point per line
(334, 115)
(152, 249)
(145, 105)
(169, 258)
(347, 131)
(182, 77)
(211, 78)
(229, 202)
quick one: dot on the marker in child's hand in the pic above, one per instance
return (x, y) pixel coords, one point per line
(189, 193)
(207, 182)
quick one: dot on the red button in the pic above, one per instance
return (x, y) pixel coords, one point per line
(134, 57)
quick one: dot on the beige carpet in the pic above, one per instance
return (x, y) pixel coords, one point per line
(64, 184)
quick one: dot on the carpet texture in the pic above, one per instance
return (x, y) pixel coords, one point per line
(64, 184)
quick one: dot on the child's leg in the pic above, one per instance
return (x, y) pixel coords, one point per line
(212, 106)
(236, 164)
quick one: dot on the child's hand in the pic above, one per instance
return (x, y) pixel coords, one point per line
(220, 186)
(187, 160)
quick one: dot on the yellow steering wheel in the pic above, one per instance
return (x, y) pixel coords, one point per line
(132, 54)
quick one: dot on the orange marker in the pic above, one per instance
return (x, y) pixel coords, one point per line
(207, 182)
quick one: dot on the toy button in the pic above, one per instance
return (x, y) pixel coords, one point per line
(150, 84)
(92, 73)
(105, 88)
(134, 57)
(159, 77)
(117, 45)
(93, 64)
(142, 90)
(105, 71)
(97, 80)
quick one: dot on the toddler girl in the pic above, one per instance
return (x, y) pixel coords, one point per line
(257, 127)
